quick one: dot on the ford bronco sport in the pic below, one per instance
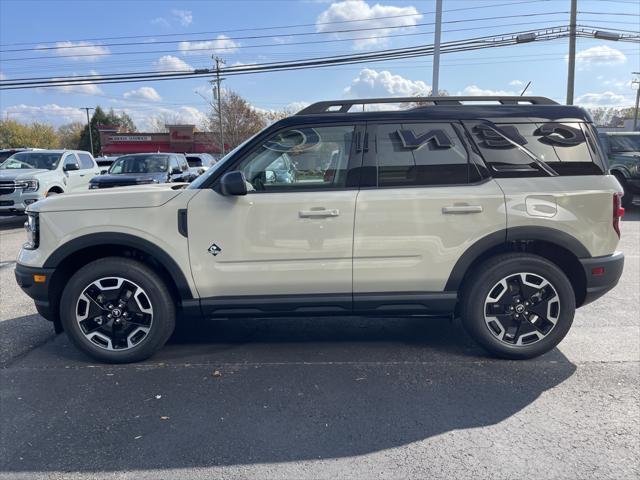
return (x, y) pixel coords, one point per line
(498, 210)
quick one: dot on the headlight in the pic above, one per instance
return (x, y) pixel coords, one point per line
(31, 226)
(30, 185)
(93, 186)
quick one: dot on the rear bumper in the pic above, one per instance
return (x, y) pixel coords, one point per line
(602, 274)
(38, 291)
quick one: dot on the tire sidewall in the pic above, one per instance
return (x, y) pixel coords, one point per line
(482, 284)
(163, 308)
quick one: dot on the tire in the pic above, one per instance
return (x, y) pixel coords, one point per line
(500, 286)
(108, 328)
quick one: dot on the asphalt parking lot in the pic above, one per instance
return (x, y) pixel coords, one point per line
(323, 398)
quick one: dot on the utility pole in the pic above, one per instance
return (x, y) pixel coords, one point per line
(636, 81)
(219, 95)
(436, 49)
(89, 127)
(571, 73)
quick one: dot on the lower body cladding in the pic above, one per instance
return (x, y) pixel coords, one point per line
(601, 274)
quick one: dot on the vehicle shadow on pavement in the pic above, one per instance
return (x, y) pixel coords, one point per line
(260, 391)
(10, 223)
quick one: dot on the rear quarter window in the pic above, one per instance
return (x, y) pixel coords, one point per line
(567, 148)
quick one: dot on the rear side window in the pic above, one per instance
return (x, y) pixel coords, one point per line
(85, 161)
(421, 154)
(564, 148)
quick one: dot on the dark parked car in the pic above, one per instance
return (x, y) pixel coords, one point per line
(144, 168)
(623, 151)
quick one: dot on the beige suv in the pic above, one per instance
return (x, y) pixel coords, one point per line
(501, 213)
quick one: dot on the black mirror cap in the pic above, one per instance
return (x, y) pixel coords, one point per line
(233, 183)
(69, 167)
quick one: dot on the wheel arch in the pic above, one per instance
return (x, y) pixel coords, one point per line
(555, 245)
(72, 255)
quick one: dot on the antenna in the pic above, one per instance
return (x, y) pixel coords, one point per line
(525, 88)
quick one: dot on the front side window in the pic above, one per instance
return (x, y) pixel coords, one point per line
(70, 160)
(85, 161)
(32, 160)
(537, 149)
(425, 154)
(301, 158)
(139, 164)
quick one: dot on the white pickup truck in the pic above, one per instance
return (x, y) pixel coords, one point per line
(28, 176)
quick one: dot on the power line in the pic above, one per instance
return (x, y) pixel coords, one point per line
(250, 37)
(277, 27)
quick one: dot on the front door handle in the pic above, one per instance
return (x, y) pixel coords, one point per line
(318, 213)
(461, 209)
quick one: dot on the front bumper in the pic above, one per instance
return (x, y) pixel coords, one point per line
(602, 274)
(38, 291)
(16, 203)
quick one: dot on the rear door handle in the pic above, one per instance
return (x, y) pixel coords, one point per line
(318, 213)
(461, 209)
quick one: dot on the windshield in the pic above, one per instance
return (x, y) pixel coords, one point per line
(140, 164)
(37, 160)
(216, 166)
(624, 143)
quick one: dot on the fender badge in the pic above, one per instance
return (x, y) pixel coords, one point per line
(214, 249)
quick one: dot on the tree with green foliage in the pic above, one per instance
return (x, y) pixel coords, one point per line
(120, 120)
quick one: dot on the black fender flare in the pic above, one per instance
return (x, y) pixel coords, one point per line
(502, 238)
(125, 240)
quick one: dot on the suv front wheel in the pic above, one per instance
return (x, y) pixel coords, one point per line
(518, 305)
(117, 310)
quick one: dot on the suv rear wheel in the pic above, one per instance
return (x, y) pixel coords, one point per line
(117, 310)
(518, 305)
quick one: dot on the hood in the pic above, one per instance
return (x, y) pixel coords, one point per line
(129, 179)
(19, 173)
(142, 196)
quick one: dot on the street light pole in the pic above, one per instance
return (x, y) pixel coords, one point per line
(219, 92)
(636, 81)
(436, 50)
(571, 73)
(89, 127)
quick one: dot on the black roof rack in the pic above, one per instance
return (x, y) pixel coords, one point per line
(343, 106)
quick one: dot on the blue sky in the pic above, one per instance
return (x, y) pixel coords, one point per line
(602, 78)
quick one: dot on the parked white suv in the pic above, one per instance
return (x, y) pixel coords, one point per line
(504, 215)
(28, 176)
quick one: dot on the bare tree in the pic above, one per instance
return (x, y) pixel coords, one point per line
(69, 134)
(239, 119)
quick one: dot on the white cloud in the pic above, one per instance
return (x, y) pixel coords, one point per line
(476, 91)
(143, 93)
(221, 43)
(163, 22)
(3, 76)
(81, 51)
(603, 99)
(516, 83)
(171, 63)
(51, 113)
(145, 118)
(598, 56)
(360, 10)
(185, 17)
(370, 83)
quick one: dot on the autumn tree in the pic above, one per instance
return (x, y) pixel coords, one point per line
(239, 120)
(14, 134)
(69, 135)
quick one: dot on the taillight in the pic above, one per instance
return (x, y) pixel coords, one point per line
(618, 212)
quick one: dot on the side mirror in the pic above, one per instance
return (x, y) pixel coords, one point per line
(69, 167)
(176, 171)
(233, 183)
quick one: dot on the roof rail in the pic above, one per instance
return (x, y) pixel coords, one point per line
(343, 106)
